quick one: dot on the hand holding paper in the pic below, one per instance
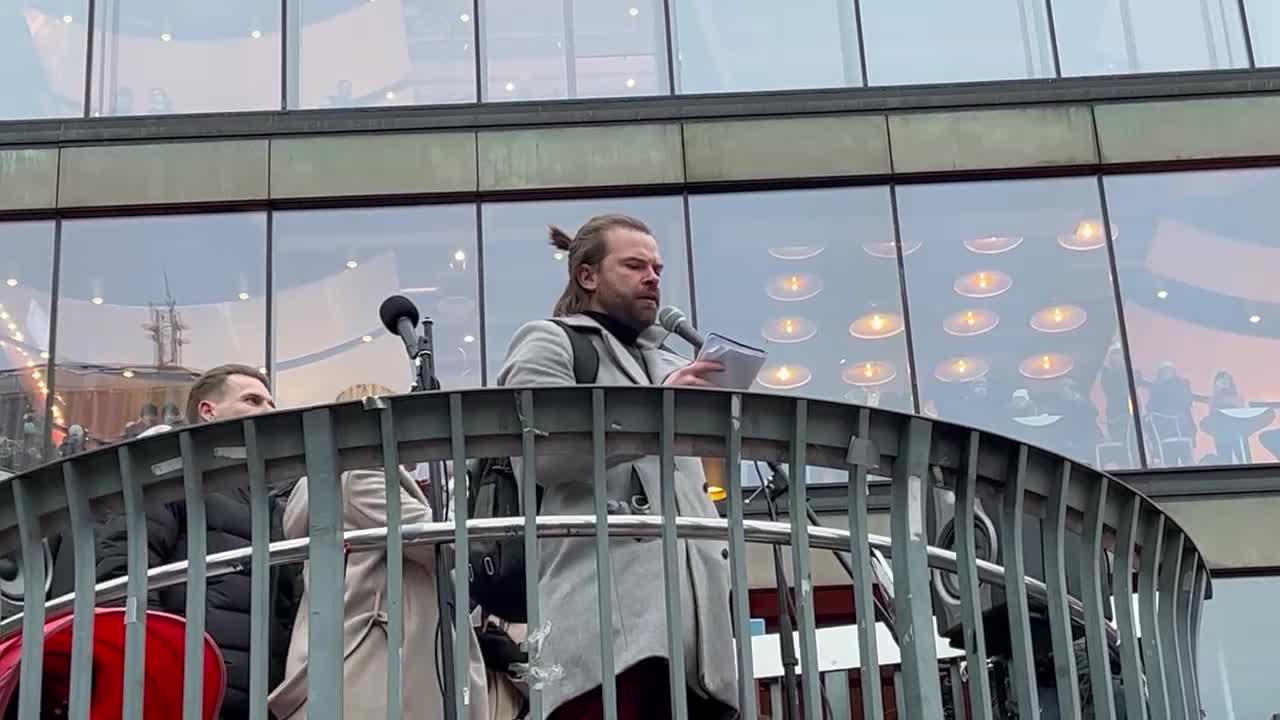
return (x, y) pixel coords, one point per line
(740, 363)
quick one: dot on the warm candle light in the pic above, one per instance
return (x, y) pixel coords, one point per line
(1058, 318)
(1088, 235)
(793, 287)
(983, 284)
(992, 245)
(874, 326)
(1046, 366)
(784, 377)
(961, 369)
(789, 330)
(869, 373)
(971, 322)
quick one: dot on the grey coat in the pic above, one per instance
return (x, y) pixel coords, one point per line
(540, 354)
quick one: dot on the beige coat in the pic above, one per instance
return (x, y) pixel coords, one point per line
(365, 643)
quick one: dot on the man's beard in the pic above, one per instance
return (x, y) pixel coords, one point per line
(635, 313)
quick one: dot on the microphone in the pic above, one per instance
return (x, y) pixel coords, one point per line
(673, 320)
(400, 316)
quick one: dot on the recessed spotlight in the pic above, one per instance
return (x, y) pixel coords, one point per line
(96, 300)
(4, 315)
(243, 296)
(366, 338)
(67, 19)
(464, 17)
(633, 11)
(391, 95)
(511, 87)
(352, 264)
(1162, 294)
(256, 34)
(13, 327)
(1255, 319)
(166, 37)
(44, 354)
(631, 82)
(469, 338)
(459, 256)
(11, 282)
(127, 373)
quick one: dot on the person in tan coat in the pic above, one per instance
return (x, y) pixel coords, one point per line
(365, 641)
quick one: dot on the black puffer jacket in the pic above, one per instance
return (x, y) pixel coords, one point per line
(227, 519)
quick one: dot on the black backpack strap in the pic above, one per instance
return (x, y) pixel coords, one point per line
(586, 359)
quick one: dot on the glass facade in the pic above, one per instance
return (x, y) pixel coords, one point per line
(246, 55)
(1239, 633)
(25, 311)
(987, 303)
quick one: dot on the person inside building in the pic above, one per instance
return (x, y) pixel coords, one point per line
(611, 300)
(364, 665)
(227, 391)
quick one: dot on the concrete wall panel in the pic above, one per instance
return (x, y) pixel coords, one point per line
(786, 148)
(373, 165)
(1189, 129)
(992, 139)
(28, 178)
(580, 157)
(180, 172)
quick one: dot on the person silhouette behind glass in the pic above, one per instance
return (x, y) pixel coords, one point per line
(1169, 405)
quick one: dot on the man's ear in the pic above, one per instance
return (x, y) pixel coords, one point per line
(205, 409)
(587, 277)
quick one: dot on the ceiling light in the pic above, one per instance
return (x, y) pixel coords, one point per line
(971, 322)
(1046, 366)
(983, 284)
(166, 37)
(993, 245)
(784, 377)
(1162, 294)
(243, 296)
(31, 363)
(789, 330)
(44, 354)
(795, 252)
(352, 264)
(877, 325)
(1255, 319)
(459, 255)
(96, 300)
(794, 286)
(11, 282)
(391, 95)
(127, 373)
(67, 19)
(961, 369)
(4, 315)
(256, 34)
(366, 338)
(13, 327)
(35, 373)
(511, 87)
(1059, 318)
(631, 82)
(1088, 235)
(633, 11)
(468, 338)
(869, 373)
(889, 249)
(464, 17)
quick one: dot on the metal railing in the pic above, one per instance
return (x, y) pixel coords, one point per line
(1156, 579)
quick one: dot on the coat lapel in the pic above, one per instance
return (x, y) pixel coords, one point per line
(617, 353)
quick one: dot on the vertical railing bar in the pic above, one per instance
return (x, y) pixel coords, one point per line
(197, 541)
(529, 503)
(31, 670)
(395, 564)
(864, 580)
(135, 605)
(671, 560)
(1170, 575)
(1197, 604)
(260, 591)
(1053, 540)
(85, 576)
(920, 686)
(957, 691)
(967, 575)
(461, 546)
(1094, 618)
(1152, 523)
(1015, 588)
(836, 685)
(1187, 660)
(326, 567)
(738, 563)
(1126, 623)
(604, 563)
(803, 589)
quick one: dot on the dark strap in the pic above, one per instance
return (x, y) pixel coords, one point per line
(586, 359)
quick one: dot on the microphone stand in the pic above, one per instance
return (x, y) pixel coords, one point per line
(424, 367)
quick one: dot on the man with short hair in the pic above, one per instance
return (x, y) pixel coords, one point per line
(225, 392)
(611, 301)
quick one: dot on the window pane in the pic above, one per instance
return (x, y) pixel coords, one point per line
(546, 49)
(1264, 27)
(1197, 255)
(162, 58)
(393, 52)
(42, 47)
(1013, 315)
(147, 304)
(810, 276)
(1108, 37)
(1239, 632)
(737, 47)
(26, 272)
(925, 41)
(524, 275)
(340, 265)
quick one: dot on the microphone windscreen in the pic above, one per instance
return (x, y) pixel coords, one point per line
(669, 317)
(394, 308)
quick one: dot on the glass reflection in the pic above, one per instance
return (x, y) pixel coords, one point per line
(186, 56)
(1197, 263)
(1238, 636)
(26, 272)
(573, 49)
(407, 52)
(524, 275)
(1067, 389)
(1264, 30)
(922, 41)
(145, 305)
(42, 47)
(740, 47)
(340, 265)
(1111, 37)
